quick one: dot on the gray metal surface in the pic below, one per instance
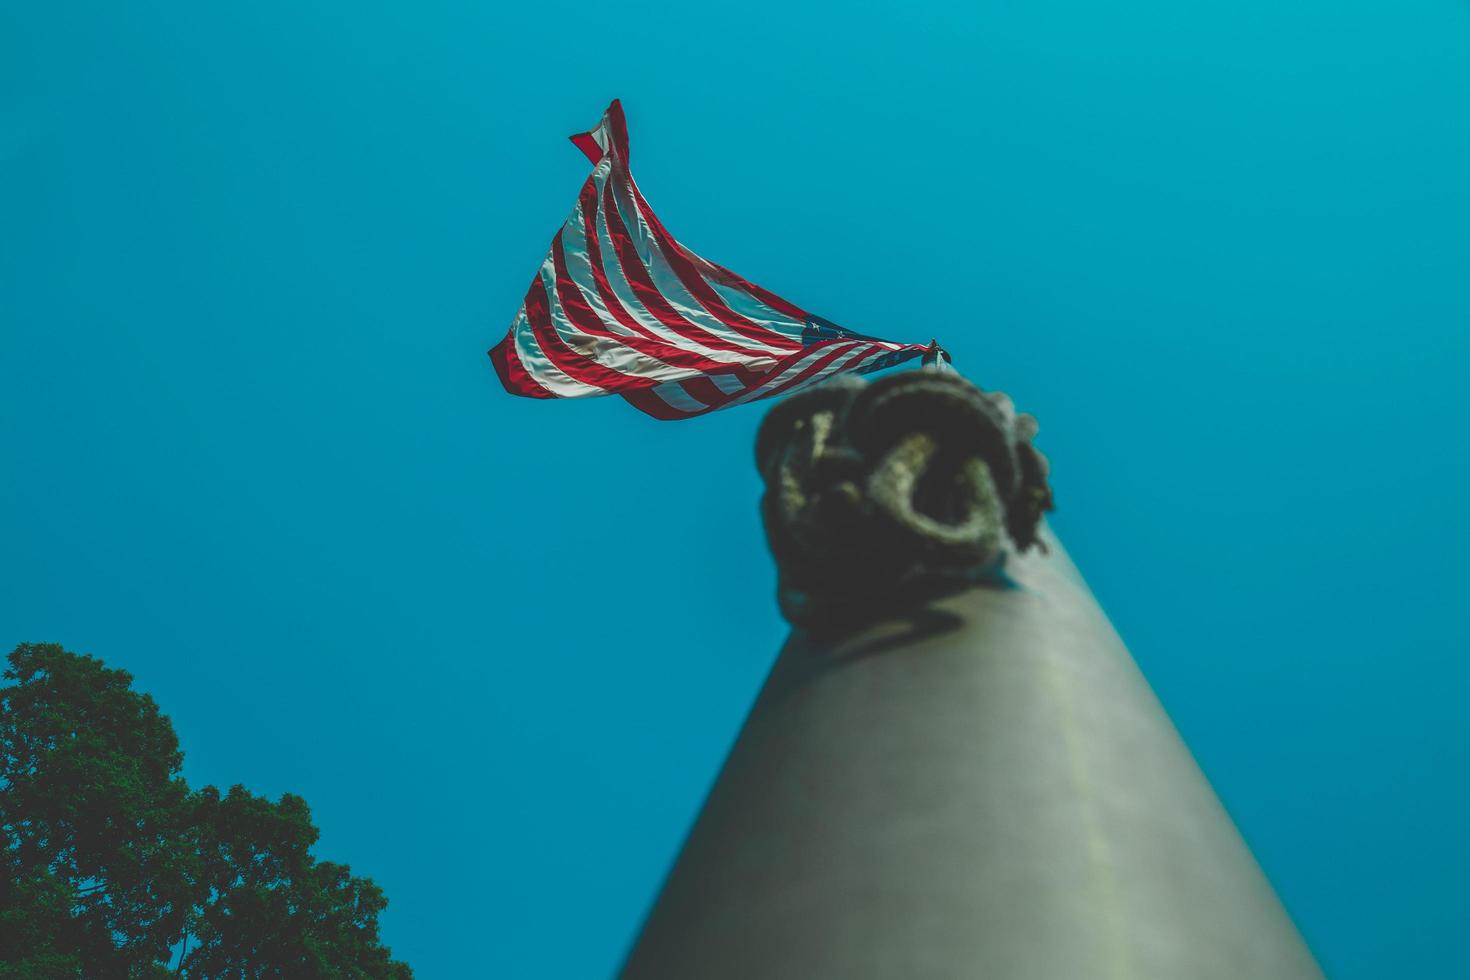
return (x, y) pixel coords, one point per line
(987, 788)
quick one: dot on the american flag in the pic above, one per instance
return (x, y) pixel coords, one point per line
(620, 307)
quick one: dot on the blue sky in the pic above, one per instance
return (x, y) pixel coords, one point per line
(251, 257)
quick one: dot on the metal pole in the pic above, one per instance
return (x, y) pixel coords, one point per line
(978, 783)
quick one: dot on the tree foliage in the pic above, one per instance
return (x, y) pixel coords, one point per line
(110, 860)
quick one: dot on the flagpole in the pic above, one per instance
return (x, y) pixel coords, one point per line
(954, 769)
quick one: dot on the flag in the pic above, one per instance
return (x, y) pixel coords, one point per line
(620, 307)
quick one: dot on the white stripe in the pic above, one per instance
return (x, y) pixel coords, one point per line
(623, 293)
(667, 281)
(816, 354)
(727, 383)
(836, 367)
(602, 135)
(579, 267)
(539, 366)
(746, 304)
(608, 352)
(679, 398)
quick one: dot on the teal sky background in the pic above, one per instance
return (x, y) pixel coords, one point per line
(251, 257)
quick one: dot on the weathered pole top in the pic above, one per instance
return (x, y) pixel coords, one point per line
(879, 493)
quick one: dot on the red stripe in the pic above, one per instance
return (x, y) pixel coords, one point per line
(705, 390)
(650, 402)
(721, 274)
(839, 349)
(654, 346)
(647, 293)
(587, 143)
(586, 320)
(678, 259)
(587, 201)
(617, 130)
(574, 364)
(725, 277)
(647, 401)
(513, 375)
(851, 365)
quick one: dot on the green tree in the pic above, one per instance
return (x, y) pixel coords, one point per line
(110, 861)
(273, 904)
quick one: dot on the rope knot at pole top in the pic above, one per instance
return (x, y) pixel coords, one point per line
(885, 493)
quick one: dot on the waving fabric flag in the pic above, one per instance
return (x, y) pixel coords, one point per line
(620, 307)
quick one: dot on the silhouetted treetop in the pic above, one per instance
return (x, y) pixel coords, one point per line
(110, 861)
